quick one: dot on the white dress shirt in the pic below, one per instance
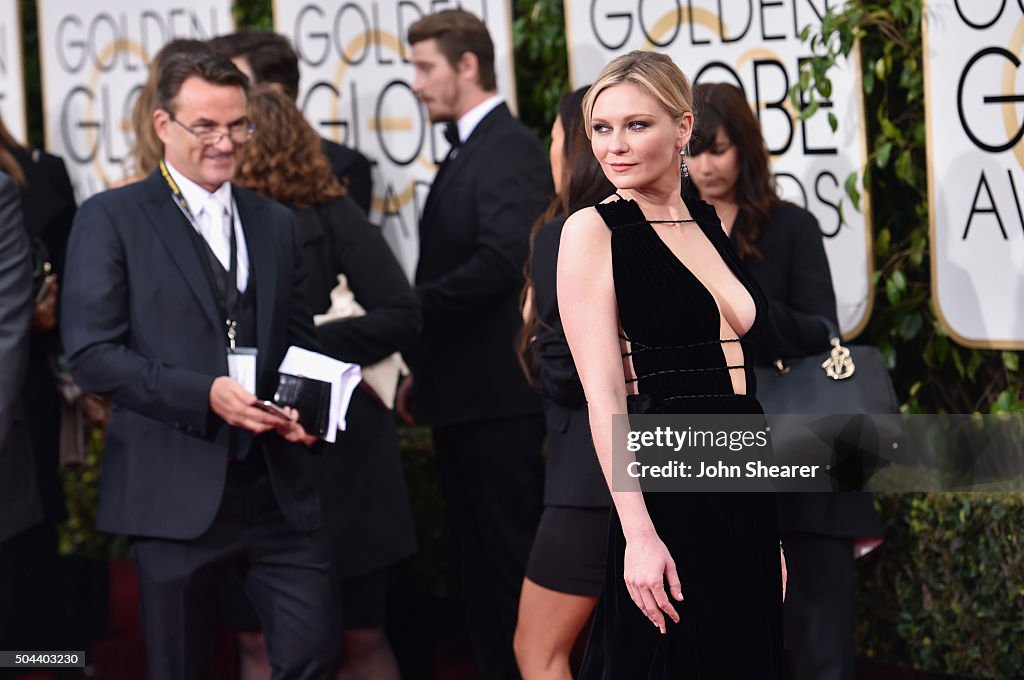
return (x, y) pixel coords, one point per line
(211, 215)
(469, 120)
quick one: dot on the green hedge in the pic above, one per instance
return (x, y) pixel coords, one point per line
(945, 592)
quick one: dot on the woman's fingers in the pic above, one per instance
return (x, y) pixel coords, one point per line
(653, 601)
(650, 607)
(664, 604)
(634, 594)
(675, 588)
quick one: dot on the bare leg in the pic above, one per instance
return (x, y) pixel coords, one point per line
(253, 662)
(549, 623)
(367, 656)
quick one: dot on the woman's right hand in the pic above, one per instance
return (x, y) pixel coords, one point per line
(647, 565)
(44, 314)
(403, 401)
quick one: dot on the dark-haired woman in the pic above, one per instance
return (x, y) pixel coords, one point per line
(781, 245)
(566, 566)
(365, 504)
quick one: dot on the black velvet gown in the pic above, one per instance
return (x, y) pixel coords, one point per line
(725, 545)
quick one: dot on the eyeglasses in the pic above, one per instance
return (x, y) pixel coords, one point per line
(208, 135)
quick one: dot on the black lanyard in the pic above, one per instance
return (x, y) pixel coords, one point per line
(227, 285)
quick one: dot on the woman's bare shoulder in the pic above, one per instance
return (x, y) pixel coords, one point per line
(586, 224)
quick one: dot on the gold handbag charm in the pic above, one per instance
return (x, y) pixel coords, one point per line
(839, 364)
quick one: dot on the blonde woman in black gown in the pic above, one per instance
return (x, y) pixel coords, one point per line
(658, 311)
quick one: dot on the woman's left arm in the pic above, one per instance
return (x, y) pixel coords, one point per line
(393, 320)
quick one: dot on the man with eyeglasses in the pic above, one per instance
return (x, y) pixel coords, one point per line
(182, 294)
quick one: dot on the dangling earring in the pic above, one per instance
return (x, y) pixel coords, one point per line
(683, 170)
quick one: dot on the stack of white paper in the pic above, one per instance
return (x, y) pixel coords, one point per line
(342, 376)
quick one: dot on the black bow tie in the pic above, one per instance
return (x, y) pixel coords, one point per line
(451, 133)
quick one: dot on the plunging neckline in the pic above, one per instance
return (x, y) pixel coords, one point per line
(671, 254)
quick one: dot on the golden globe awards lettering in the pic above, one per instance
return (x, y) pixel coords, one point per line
(94, 61)
(356, 89)
(755, 45)
(12, 84)
(975, 105)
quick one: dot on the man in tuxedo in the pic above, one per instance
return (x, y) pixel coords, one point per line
(21, 506)
(468, 385)
(182, 294)
(268, 58)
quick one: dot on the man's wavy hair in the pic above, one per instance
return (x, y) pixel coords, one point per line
(283, 159)
(457, 32)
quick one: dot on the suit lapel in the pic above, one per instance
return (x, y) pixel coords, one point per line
(259, 239)
(451, 166)
(433, 197)
(172, 227)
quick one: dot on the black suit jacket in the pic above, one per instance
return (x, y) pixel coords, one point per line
(573, 475)
(48, 202)
(474, 236)
(797, 282)
(351, 166)
(20, 502)
(141, 326)
(362, 485)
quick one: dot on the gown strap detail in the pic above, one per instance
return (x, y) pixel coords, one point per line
(702, 369)
(640, 347)
(730, 395)
(620, 214)
(669, 371)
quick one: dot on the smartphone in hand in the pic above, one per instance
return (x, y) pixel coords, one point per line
(272, 408)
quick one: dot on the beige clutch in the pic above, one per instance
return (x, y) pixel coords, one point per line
(382, 377)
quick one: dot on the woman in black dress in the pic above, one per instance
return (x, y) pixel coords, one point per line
(566, 566)
(781, 244)
(366, 507)
(657, 309)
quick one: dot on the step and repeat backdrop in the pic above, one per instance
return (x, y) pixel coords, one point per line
(756, 46)
(356, 89)
(94, 59)
(12, 81)
(974, 89)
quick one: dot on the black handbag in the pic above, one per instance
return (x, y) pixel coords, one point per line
(852, 379)
(817, 405)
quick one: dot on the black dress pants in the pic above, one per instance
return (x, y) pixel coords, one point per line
(286, 576)
(492, 480)
(33, 594)
(819, 607)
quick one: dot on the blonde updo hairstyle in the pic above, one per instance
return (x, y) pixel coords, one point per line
(654, 73)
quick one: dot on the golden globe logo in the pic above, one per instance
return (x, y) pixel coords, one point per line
(366, 100)
(727, 44)
(105, 59)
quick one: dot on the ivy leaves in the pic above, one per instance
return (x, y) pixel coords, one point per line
(931, 371)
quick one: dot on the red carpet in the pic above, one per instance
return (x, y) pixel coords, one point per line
(120, 655)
